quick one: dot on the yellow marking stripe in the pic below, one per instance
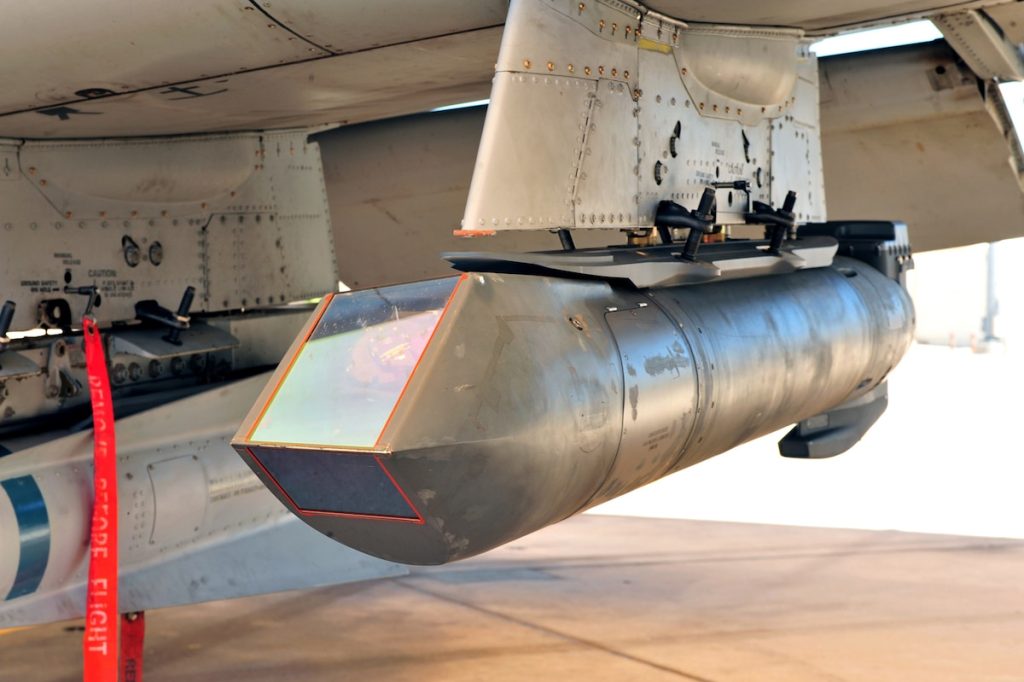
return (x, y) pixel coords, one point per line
(654, 46)
(9, 631)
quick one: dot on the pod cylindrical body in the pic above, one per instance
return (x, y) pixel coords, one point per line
(532, 398)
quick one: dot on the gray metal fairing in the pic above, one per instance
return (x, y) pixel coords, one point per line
(539, 397)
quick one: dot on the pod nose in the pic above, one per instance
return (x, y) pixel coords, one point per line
(336, 483)
(340, 386)
(411, 422)
(317, 440)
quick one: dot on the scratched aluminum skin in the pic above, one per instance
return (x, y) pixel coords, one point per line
(539, 397)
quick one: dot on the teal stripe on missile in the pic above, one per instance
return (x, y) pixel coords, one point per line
(33, 534)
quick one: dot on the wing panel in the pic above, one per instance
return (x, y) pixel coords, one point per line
(350, 88)
(109, 46)
(909, 135)
(349, 27)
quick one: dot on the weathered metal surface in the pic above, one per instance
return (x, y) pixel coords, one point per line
(321, 88)
(345, 28)
(907, 134)
(608, 110)
(202, 66)
(660, 398)
(106, 45)
(537, 397)
(196, 524)
(243, 218)
(980, 41)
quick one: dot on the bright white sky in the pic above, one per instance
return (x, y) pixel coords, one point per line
(874, 39)
(906, 34)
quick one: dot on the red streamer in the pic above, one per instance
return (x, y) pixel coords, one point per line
(100, 643)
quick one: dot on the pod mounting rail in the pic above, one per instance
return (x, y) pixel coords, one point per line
(659, 266)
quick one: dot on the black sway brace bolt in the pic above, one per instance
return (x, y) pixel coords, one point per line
(700, 221)
(181, 316)
(6, 318)
(91, 291)
(779, 223)
(565, 238)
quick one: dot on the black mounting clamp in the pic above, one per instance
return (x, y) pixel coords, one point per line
(779, 223)
(700, 221)
(91, 291)
(565, 238)
(150, 310)
(882, 244)
(739, 185)
(6, 318)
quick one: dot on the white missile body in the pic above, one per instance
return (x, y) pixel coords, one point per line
(195, 523)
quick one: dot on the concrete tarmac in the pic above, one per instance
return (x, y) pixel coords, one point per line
(609, 598)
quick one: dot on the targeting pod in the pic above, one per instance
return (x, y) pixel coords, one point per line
(429, 422)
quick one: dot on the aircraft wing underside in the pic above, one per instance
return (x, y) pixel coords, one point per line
(219, 65)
